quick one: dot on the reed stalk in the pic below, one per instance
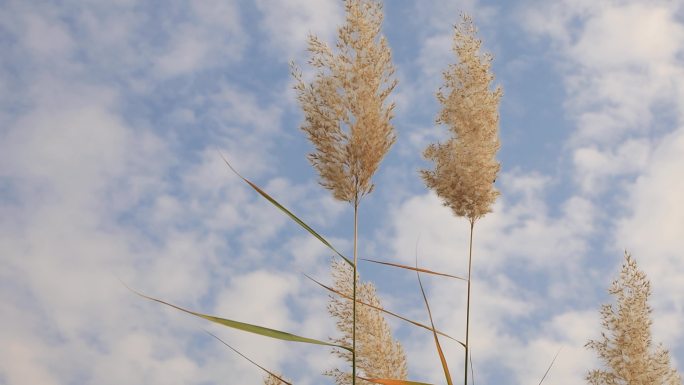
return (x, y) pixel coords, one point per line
(467, 333)
(356, 264)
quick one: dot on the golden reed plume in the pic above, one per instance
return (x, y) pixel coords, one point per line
(379, 355)
(465, 166)
(346, 117)
(626, 347)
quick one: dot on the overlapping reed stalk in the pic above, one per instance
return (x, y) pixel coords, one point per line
(346, 116)
(465, 166)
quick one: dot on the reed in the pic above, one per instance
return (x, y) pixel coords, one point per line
(465, 166)
(346, 116)
(625, 347)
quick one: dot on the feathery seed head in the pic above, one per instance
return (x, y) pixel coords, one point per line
(378, 354)
(346, 117)
(465, 165)
(627, 350)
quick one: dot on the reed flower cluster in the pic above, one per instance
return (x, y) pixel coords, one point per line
(378, 355)
(465, 166)
(627, 351)
(346, 116)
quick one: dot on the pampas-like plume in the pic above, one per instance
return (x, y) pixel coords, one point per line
(626, 350)
(465, 166)
(379, 355)
(344, 107)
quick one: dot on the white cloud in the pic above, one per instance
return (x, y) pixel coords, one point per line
(289, 23)
(48, 37)
(637, 34)
(211, 36)
(621, 63)
(652, 222)
(595, 167)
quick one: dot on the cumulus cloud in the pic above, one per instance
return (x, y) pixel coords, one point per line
(289, 23)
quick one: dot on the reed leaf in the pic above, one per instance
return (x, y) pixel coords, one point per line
(550, 365)
(414, 269)
(260, 330)
(248, 359)
(384, 310)
(287, 212)
(447, 375)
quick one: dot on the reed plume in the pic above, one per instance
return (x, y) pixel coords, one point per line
(346, 117)
(626, 350)
(379, 355)
(465, 166)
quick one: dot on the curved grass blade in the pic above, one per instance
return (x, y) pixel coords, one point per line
(267, 332)
(550, 365)
(447, 375)
(384, 310)
(287, 212)
(248, 359)
(414, 269)
(388, 381)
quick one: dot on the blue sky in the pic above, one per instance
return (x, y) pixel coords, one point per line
(112, 116)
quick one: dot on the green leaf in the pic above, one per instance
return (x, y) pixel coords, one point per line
(384, 310)
(388, 381)
(288, 213)
(248, 359)
(267, 332)
(415, 269)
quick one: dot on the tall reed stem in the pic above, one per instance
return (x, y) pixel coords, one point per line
(356, 227)
(470, 266)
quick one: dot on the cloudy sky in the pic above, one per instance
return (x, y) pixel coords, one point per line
(112, 118)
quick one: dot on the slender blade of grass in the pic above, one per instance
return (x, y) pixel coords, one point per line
(248, 359)
(260, 330)
(383, 310)
(550, 365)
(447, 375)
(414, 268)
(389, 381)
(287, 212)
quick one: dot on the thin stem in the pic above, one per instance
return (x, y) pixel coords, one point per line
(356, 227)
(470, 267)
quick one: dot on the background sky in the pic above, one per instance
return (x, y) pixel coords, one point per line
(112, 117)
